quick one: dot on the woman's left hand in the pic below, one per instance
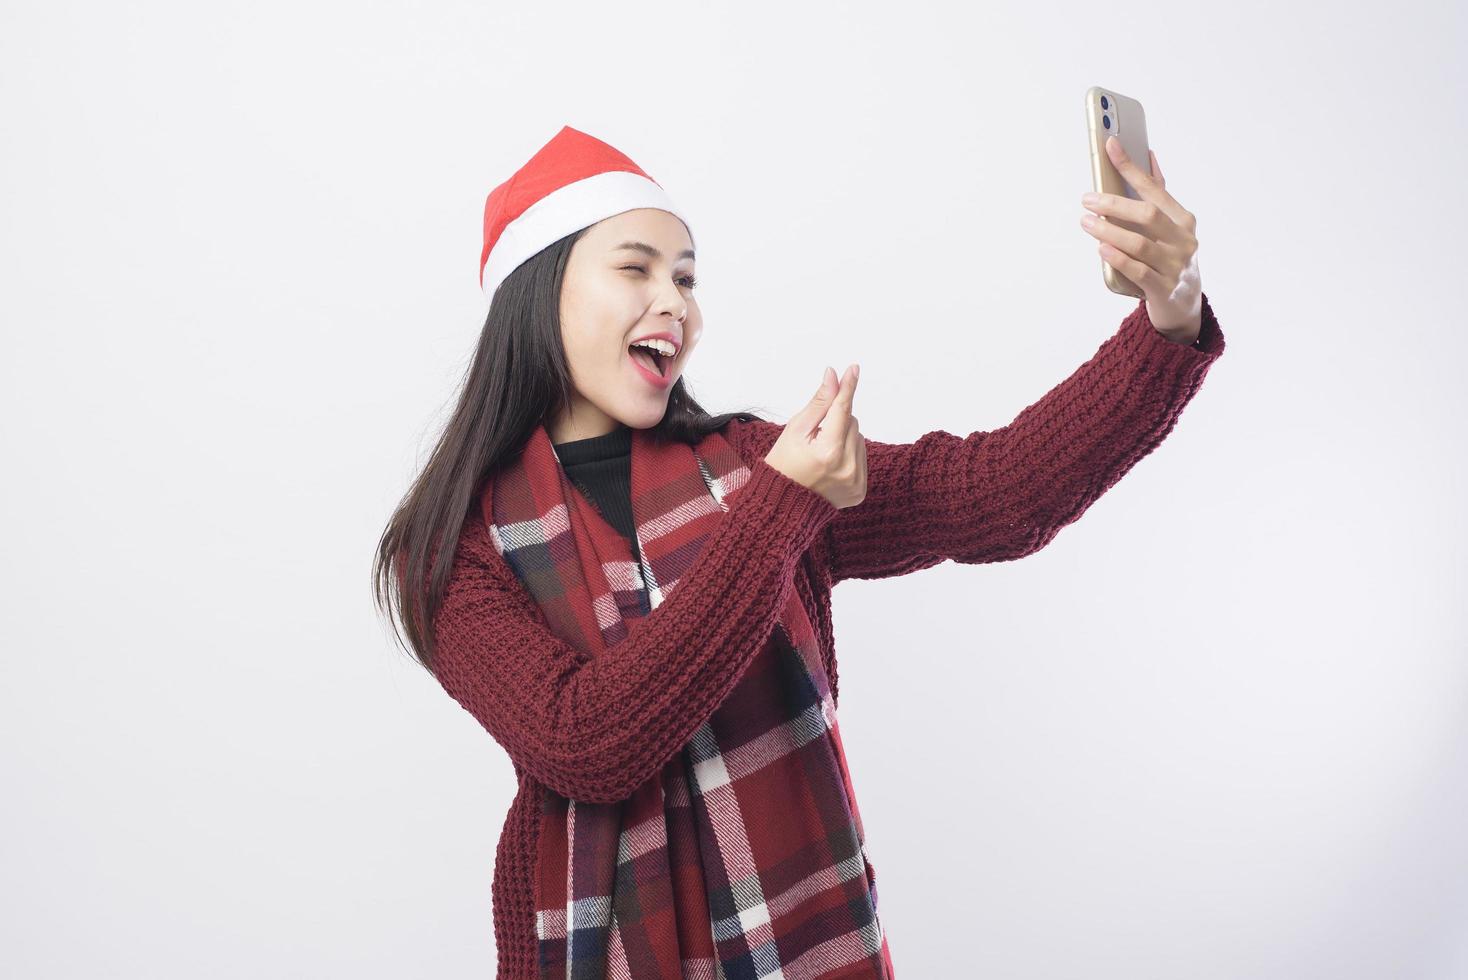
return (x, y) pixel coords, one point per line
(1161, 258)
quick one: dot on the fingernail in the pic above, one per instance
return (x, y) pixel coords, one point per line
(1090, 197)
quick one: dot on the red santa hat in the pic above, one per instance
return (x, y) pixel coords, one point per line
(573, 181)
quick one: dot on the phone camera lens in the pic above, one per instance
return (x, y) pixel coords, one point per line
(1105, 102)
(1106, 122)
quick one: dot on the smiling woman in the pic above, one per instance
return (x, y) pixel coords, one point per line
(632, 597)
(575, 272)
(629, 322)
(666, 633)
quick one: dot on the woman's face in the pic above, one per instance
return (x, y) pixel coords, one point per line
(628, 277)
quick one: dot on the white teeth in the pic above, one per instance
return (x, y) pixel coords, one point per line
(661, 346)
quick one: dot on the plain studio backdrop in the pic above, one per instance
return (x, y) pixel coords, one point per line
(1218, 728)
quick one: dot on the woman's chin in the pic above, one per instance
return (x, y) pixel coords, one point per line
(637, 411)
(646, 416)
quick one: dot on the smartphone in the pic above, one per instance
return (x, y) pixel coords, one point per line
(1109, 113)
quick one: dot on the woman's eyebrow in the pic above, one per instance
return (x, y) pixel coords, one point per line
(687, 253)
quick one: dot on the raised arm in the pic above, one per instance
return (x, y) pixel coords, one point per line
(1003, 494)
(595, 730)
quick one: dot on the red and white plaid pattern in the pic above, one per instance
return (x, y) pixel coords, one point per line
(744, 857)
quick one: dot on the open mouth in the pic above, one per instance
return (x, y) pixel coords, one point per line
(650, 360)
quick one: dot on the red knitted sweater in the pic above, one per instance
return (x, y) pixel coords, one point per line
(596, 731)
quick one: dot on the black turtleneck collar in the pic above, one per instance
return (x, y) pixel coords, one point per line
(601, 467)
(616, 443)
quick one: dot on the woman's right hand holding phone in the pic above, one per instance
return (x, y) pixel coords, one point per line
(822, 448)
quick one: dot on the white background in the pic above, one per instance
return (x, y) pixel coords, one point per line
(1217, 729)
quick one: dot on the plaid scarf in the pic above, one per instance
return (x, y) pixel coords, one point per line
(744, 857)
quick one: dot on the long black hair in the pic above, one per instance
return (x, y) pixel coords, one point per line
(518, 379)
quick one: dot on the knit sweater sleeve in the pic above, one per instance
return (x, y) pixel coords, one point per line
(1002, 494)
(596, 729)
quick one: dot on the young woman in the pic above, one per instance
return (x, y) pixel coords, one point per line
(634, 600)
